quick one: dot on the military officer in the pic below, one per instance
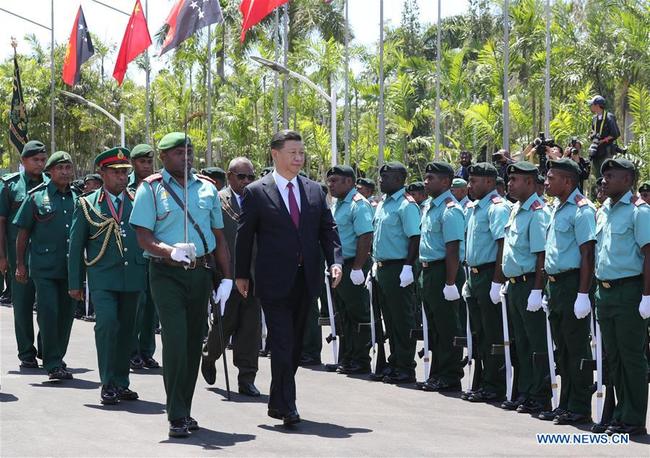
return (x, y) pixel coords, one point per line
(644, 191)
(487, 218)
(13, 192)
(181, 273)
(115, 266)
(569, 264)
(623, 293)
(459, 191)
(441, 251)
(366, 188)
(45, 216)
(417, 191)
(523, 266)
(216, 174)
(146, 319)
(353, 215)
(395, 249)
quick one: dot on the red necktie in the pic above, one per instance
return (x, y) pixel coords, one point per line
(294, 211)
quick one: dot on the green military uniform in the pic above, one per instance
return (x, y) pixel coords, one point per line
(116, 274)
(525, 238)
(623, 231)
(572, 224)
(46, 214)
(13, 192)
(486, 223)
(180, 294)
(396, 220)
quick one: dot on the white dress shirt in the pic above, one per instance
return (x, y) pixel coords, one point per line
(282, 183)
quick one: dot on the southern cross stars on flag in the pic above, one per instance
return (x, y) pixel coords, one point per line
(185, 18)
(79, 50)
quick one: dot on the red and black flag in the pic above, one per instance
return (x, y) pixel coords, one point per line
(136, 40)
(80, 49)
(18, 114)
(254, 11)
(185, 18)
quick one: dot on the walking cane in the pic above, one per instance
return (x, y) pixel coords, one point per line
(219, 308)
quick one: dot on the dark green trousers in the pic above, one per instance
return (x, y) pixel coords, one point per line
(114, 320)
(181, 297)
(145, 324)
(397, 306)
(353, 309)
(22, 298)
(486, 318)
(530, 337)
(572, 343)
(624, 336)
(442, 319)
(55, 315)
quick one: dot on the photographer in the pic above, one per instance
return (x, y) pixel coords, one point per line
(604, 132)
(573, 152)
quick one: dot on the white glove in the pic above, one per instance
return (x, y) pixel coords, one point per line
(466, 292)
(582, 306)
(644, 307)
(357, 277)
(451, 293)
(222, 293)
(495, 292)
(406, 277)
(184, 252)
(373, 270)
(545, 304)
(534, 300)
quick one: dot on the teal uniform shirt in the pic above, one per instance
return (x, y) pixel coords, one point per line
(131, 184)
(622, 231)
(397, 218)
(486, 222)
(47, 213)
(572, 224)
(424, 203)
(156, 210)
(525, 237)
(353, 216)
(443, 221)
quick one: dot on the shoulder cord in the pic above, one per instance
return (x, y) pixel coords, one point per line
(106, 227)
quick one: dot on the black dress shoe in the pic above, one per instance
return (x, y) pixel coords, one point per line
(59, 373)
(599, 428)
(150, 363)
(109, 395)
(353, 368)
(549, 415)
(192, 424)
(379, 376)
(512, 404)
(275, 413)
(29, 363)
(291, 418)
(622, 428)
(306, 360)
(209, 371)
(531, 406)
(264, 353)
(399, 378)
(249, 389)
(178, 428)
(125, 394)
(442, 387)
(570, 418)
(466, 394)
(136, 362)
(484, 396)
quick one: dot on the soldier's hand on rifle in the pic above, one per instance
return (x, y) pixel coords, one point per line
(21, 273)
(222, 293)
(451, 293)
(242, 286)
(495, 292)
(534, 300)
(76, 294)
(582, 306)
(337, 275)
(357, 277)
(183, 252)
(644, 307)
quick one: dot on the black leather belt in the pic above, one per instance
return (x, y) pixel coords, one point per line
(521, 278)
(482, 267)
(390, 262)
(619, 281)
(426, 264)
(567, 273)
(201, 261)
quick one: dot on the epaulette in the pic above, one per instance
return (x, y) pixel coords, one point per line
(36, 188)
(450, 202)
(102, 194)
(129, 193)
(357, 197)
(496, 199)
(153, 177)
(410, 198)
(206, 178)
(10, 176)
(638, 201)
(537, 205)
(581, 200)
(470, 204)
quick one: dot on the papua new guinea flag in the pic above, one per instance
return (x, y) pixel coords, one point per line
(80, 49)
(185, 18)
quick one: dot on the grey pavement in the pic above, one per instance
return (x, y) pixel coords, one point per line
(342, 416)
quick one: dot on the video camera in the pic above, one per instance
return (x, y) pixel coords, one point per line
(540, 144)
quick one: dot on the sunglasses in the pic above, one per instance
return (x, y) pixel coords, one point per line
(243, 176)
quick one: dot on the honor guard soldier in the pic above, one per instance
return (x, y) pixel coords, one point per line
(441, 251)
(353, 215)
(569, 264)
(13, 192)
(417, 191)
(644, 191)
(623, 293)
(180, 272)
(366, 188)
(44, 220)
(216, 174)
(395, 249)
(146, 318)
(487, 218)
(115, 266)
(460, 192)
(523, 266)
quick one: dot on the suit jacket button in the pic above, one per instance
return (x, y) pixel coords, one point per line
(126, 263)
(126, 249)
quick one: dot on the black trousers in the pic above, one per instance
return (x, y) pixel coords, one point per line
(285, 321)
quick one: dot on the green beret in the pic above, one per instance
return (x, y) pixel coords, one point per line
(214, 173)
(114, 158)
(366, 182)
(32, 148)
(482, 169)
(265, 171)
(141, 150)
(541, 179)
(566, 164)
(440, 167)
(393, 166)
(415, 187)
(58, 158)
(620, 164)
(645, 187)
(458, 183)
(342, 170)
(172, 140)
(522, 167)
(93, 176)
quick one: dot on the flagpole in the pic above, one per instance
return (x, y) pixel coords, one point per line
(147, 75)
(381, 83)
(285, 82)
(52, 140)
(276, 95)
(438, 55)
(208, 153)
(547, 72)
(346, 114)
(506, 66)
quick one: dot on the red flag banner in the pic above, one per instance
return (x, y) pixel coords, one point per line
(254, 11)
(79, 50)
(136, 40)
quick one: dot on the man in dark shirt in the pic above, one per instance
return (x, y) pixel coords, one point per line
(465, 162)
(605, 131)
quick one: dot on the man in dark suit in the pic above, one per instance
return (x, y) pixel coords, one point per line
(242, 316)
(292, 222)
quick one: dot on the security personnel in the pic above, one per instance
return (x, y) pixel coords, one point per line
(13, 192)
(487, 218)
(366, 188)
(644, 191)
(216, 174)
(144, 345)
(115, 266)
(395, 249)
(441, 251)
(460, 192)
(523, 266)
(539, 188)
(623, 293)
(353, 215)
(92, 181)
(569, 264)
(181, 273)
(46, 216)
(417, 191)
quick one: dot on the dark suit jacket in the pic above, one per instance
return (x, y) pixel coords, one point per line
(279, 243)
